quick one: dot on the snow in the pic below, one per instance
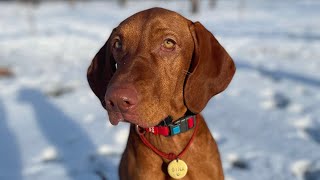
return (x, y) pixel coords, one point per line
(53, 127)
(49, 154)
(300, 167)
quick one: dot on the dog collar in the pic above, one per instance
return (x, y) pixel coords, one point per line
(169, 128)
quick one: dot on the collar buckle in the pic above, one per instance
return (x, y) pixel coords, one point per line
(179, 126)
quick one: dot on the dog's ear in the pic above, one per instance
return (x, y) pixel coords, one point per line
(211, 69)
(101, 70)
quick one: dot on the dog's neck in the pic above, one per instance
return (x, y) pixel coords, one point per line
(172, 144)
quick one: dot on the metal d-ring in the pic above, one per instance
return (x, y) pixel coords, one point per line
(139, 130)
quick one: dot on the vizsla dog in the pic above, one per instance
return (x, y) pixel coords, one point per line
(157, 71)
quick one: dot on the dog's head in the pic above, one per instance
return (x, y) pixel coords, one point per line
(156, 64)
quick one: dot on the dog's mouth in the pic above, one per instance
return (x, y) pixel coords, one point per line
(116, 117)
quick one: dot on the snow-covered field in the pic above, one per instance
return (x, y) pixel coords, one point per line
(267, 123)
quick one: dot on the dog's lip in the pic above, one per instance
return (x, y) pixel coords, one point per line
(116, 117)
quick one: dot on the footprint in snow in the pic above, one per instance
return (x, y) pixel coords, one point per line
(314, 133)
(276, 101)
(237, 162)
(312, 175)
(309, 128)
(60, 91)
(281, 101)
(306, 170)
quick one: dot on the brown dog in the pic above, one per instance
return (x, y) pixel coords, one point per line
(155, 67)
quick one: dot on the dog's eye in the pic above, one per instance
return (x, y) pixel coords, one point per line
(169, 44)
(117, 44)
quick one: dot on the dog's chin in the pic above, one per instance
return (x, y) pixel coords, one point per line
(117, 117)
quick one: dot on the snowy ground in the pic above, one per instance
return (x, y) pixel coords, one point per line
(267, 123)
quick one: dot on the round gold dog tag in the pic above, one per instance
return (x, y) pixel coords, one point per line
(177, 169)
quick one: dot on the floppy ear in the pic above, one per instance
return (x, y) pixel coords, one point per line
(101, 71)
(211, 69)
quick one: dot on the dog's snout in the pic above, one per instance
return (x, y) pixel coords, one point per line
(121, 98)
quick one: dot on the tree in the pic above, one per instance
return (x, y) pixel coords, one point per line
(194, 6)
(122, 2)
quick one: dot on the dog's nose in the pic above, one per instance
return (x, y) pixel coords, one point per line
(121, 98)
